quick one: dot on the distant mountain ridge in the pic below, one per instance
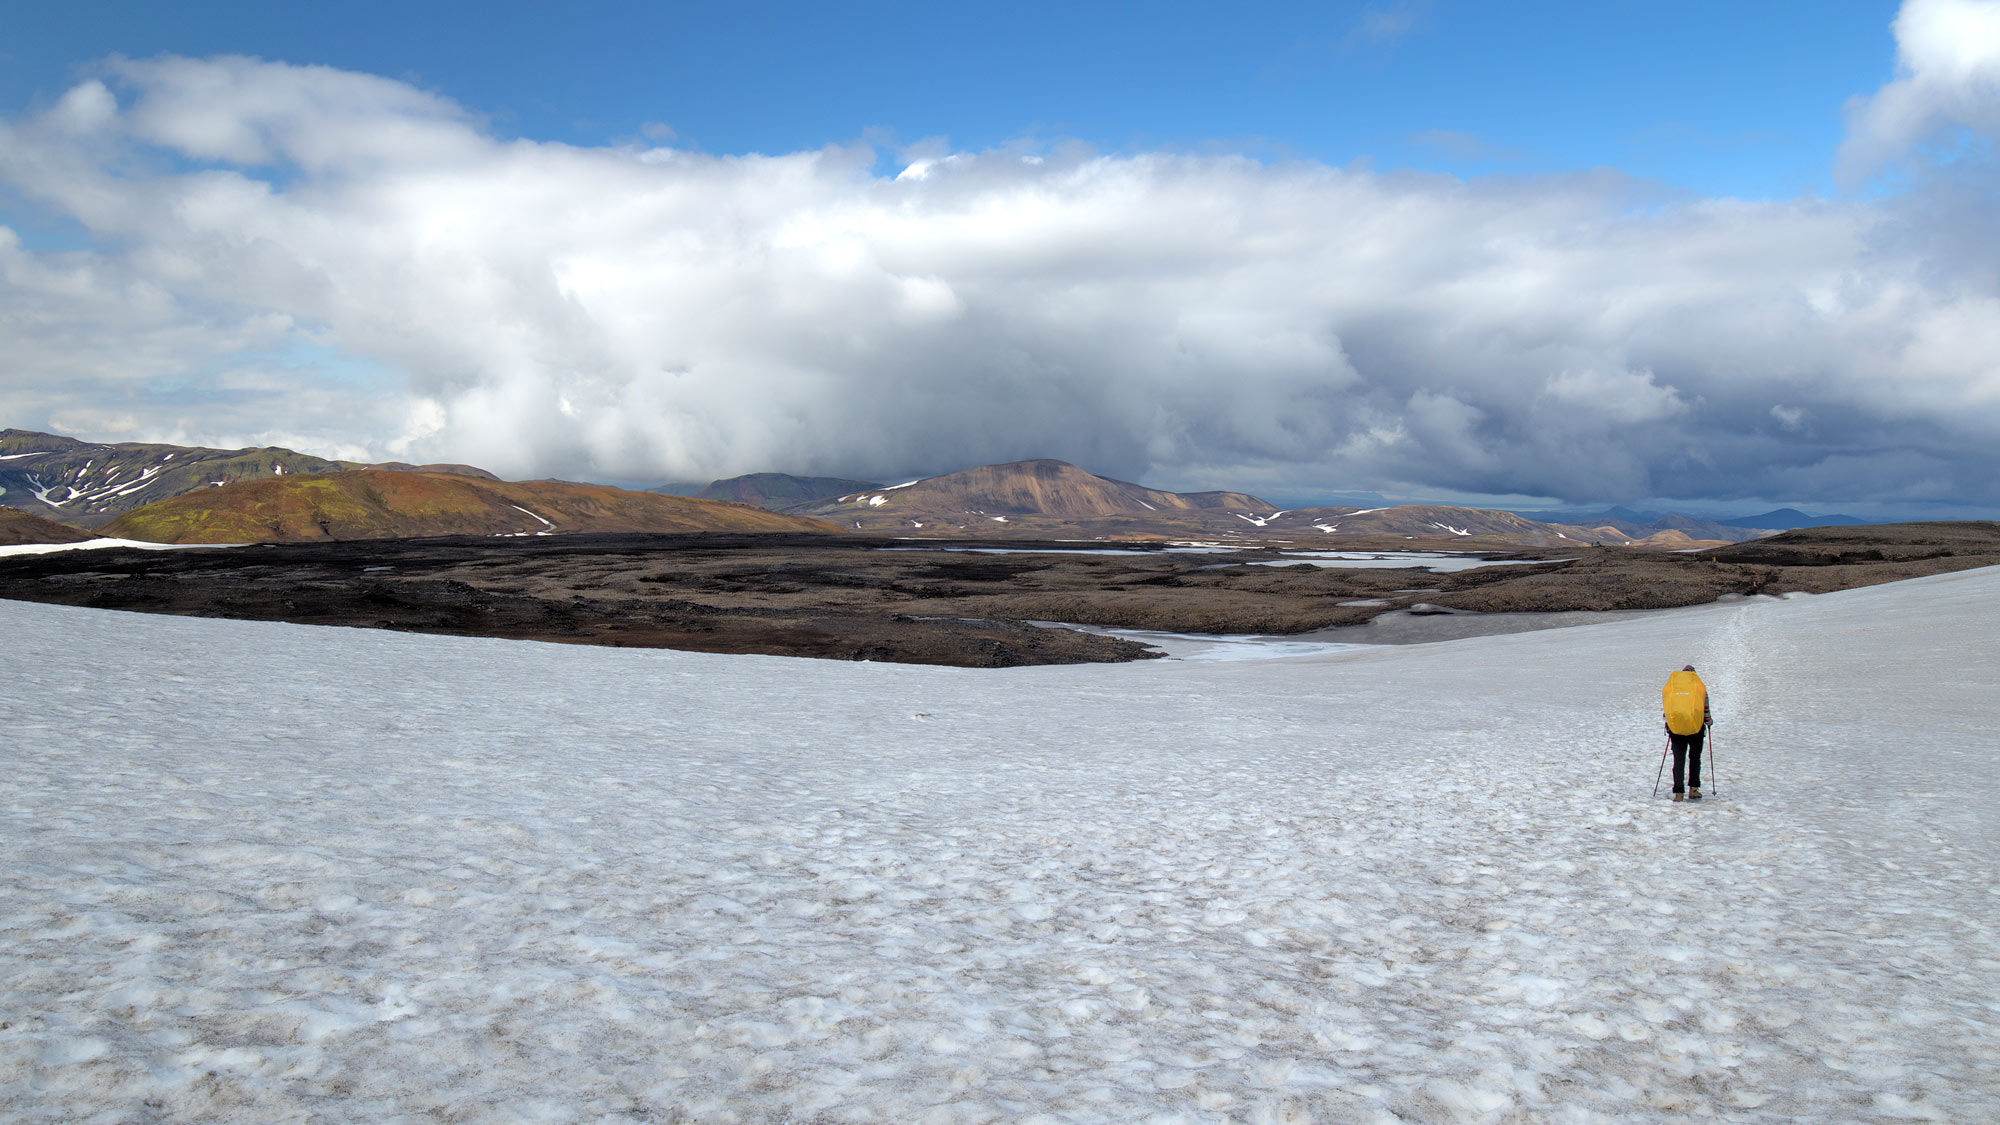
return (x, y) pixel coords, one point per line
(91, 485)
(88, 484)
(1042, 497)
(1054, 499)
(382, 504)
(1044, 489)
(1637, 524)
(1791, 519)
(779, 491)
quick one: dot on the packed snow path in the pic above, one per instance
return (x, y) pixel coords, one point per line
(257, 872)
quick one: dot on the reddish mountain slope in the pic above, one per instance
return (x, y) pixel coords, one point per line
(1044, 490)
(18, 527)
(1056, 500)
(381, 504)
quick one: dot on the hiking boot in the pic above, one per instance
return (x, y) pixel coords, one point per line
(1694, 794)
(1678, 796)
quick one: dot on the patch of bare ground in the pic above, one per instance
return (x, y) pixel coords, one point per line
(1812, 560)
(864, 598)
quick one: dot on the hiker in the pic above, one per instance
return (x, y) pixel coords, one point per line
(1684, 701)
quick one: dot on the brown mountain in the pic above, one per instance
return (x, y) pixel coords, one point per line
(1025, 497)
(1052, 499)
(447, 468)
(1442, 522)
(384, 504)
(87, 484)
(18, 527)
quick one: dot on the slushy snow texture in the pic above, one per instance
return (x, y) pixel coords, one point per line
(258, 872)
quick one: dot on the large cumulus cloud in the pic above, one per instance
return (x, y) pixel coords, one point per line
(647, 313)
(1947, 87)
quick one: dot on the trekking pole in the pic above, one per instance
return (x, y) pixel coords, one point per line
(1663, 766)
(1714, 775)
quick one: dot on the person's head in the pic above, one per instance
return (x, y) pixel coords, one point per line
(1687, 667)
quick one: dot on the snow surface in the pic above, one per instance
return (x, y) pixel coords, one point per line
(1390, 560)
(934, 545)
(97, 544)
(547, 527)
(263, 872)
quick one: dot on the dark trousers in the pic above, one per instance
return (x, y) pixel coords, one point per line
(1687, 752)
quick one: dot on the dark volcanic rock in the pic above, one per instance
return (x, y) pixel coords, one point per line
(861, 598)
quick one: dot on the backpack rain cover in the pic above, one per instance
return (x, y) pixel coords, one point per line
(1685, 700)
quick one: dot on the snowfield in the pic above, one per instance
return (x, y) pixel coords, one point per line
(256, 872)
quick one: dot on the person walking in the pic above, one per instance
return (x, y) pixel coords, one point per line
(1684, 703)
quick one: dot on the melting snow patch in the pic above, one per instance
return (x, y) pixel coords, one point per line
(97, 544)
(877, 501)
(547, 527)
(259, 870)
(1365, 560)
(109, 490)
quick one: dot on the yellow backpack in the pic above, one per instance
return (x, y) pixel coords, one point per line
(1685, 700)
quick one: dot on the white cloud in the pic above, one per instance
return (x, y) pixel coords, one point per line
(649, 313)
(88, 106)
(1948, 77)
(1627, 398)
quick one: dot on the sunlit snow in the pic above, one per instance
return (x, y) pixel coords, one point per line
(1390, 560)
(546, 528)
(260, 872)
(96, 544)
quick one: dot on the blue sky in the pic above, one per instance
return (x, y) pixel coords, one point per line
(1716, 98)
(1694, 255)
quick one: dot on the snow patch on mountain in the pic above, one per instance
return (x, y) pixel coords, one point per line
(547, 526)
